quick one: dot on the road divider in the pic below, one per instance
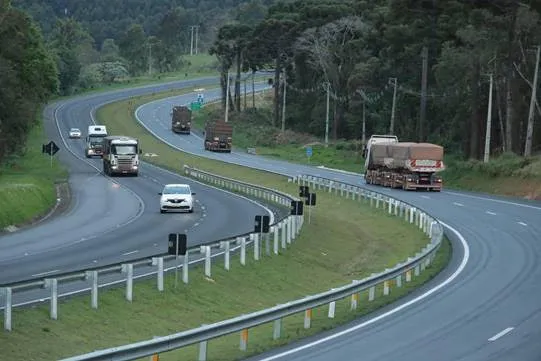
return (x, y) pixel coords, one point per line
(380, 283)
(282, 232)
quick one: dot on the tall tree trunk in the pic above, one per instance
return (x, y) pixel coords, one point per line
(277, 70)
(509, 114)
(474, 117)
(237, 80)
(498, 97)
(223, 85)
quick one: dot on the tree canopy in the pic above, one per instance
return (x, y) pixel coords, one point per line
(357, 49)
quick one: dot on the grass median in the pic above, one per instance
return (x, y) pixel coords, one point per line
(346, 240)
(28, 183)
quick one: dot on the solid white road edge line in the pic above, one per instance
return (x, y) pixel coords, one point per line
(390, 312)
(501, 334)
(45, 273)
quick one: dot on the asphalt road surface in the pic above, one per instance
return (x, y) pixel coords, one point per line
(114, 220)
(485, 306)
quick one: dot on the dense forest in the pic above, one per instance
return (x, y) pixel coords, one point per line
(436, 59)
(359, 51)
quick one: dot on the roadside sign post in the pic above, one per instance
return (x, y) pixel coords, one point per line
(310, 202)
(177, 246)
(309, 153)
(262, 226)
(50, 148)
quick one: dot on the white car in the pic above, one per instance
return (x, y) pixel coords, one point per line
(176, 197)
(75, 133)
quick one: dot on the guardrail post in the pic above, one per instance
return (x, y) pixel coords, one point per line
(276, 329)
(283, 234)
(307, 318)
(408, 275)
(127, 268)
(255, 238)
(412, 214)
(293, 221)
(93, 277)
(406, 211)
(390, 205)
(208, 265)
(242, 251)
(52, 283)
(371, 199)
(227, 251)
(267, 243)
(396, 207)
(354, 301)
(416, 270)
(399, 281)
(275, 230)
(158, 261)
(7, 308)
(332, 309)
(203, 349)
(243, 339)
(371, 293)
(385, 288)
(377, 200)
(290, 237)
(185, 267)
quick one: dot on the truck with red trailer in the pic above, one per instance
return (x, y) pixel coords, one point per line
(405, 165)
(218, 136)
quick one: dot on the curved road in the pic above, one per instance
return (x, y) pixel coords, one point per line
(489, 305)
(116, 219)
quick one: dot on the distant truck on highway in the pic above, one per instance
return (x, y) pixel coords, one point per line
(121, 155)
(181, 119)
(218, 136)
(405, 165)
(94, 140)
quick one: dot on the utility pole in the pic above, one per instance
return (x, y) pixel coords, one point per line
(227, 99)
(197, 39)
(394, 82)
(327, 114)
(531, 115)
(364, 122)
(191, 42)
(149, 59)
(489, 121)
(284, 104)
(422, 118)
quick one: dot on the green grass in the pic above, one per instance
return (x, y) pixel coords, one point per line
(202, 65)
(346, 240)
(27, 182)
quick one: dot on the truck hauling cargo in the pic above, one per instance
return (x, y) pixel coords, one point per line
(121, 155)
(181, 119)
(218, 136)
(405, 165)
(94, 140)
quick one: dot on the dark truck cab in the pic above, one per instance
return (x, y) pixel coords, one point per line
(181, 119)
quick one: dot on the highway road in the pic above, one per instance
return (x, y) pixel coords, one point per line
(116, 219)
(485, 306)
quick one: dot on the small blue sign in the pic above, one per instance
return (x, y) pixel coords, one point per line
(309, 151)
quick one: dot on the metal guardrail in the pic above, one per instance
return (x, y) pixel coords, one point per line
(409, 213)
(285, 230)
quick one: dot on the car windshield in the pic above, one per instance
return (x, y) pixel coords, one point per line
(124, 149)
(177, 190)
(75, 130)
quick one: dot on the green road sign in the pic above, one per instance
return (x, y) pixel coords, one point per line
(195, 105)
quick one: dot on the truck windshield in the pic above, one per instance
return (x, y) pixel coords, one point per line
(95, 141)
(124, 149)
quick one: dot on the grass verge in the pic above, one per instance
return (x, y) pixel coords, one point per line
(253, 128)
(200, 65)
(27, 182)
(346, 240)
